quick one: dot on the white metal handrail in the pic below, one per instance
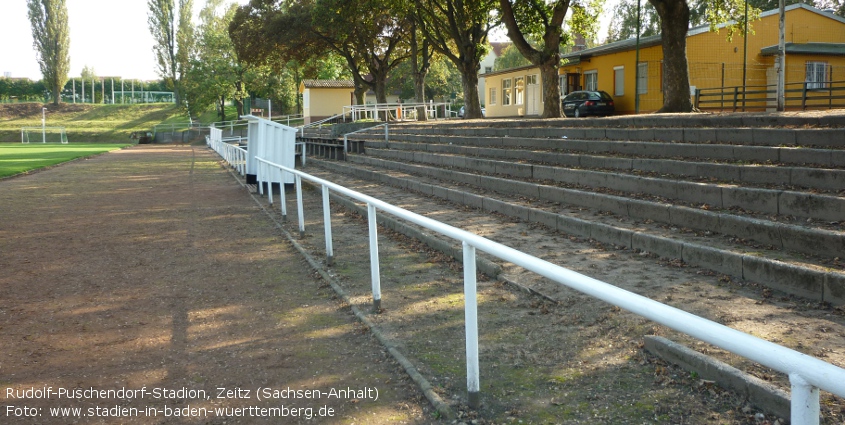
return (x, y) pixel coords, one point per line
(346, 136)
(807, 374)
(372, 110)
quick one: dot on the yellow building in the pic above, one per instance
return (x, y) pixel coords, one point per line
(815, 58)
(815, 54)
(325, 98)
(514, 92)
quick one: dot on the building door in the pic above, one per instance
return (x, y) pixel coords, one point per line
(532, 98)
(573, 83)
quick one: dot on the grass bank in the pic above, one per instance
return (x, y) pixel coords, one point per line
(88, 123)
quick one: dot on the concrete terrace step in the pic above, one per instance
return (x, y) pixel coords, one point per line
(719, 195)
(779, 270)
(815, 157)
(827, 137)
(532, 162)
(795, 238)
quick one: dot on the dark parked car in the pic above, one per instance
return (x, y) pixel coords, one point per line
(583, 103)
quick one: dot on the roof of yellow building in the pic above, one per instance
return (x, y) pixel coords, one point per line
(329, 84)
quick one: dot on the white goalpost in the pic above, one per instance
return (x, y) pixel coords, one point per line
(43, 135)
(56, 134)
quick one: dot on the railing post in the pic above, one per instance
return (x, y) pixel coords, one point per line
(283, 201)
(804, 409)
(736, 97)
(259, 177)
(270, 184)
(300, 210)
(385, 132)
(345, 141)
(471, 319)
(327, 223)
(804, 97)
(375, 275)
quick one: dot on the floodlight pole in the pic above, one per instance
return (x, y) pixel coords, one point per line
(43, 125)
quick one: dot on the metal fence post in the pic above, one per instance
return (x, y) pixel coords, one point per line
(375, 276)
(259, 177)
(327, 223)
(804, 408)
(284, 202)
(471, 318)
(385, 133)
(299, 208)
(269, 185)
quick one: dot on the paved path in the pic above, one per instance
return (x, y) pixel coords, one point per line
(152, 268)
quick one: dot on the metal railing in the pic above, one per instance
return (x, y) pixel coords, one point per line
(806, 374)
(332, 119)
(803, 95)
(346, 137)
(236, 155)
(398, 111)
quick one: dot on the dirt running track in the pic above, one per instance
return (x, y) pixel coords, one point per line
(141, 282)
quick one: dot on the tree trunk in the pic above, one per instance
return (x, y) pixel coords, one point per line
(57, 93)
(420, 72)
(239, 101)
(674, 21)
(472, 102)
(551, 89)
(222, 108)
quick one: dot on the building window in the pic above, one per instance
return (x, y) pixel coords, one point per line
(492, 100)
(591, 80)
(488, 69)
(561, 82)
(506, 91)
(519, 89)
(642, 78)
(816, 75)
(618, 80)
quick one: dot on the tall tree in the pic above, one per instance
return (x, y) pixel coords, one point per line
(458, 29)
(214, 75)
(51, 39)
(172, 49)
(369, 34)
(543, 20)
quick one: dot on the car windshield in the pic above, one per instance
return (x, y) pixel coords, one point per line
(605, 96)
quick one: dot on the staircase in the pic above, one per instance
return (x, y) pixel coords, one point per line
(759, 197)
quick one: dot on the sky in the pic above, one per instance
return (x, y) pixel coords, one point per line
(109, 36)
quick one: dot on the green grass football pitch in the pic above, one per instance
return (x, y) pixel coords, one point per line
(20, 158)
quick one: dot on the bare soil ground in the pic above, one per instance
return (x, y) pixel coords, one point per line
(151, 268)
(572, 359)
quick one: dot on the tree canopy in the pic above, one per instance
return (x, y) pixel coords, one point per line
(51, 39)
(543, 21)
(458, 30)
(172, 32)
